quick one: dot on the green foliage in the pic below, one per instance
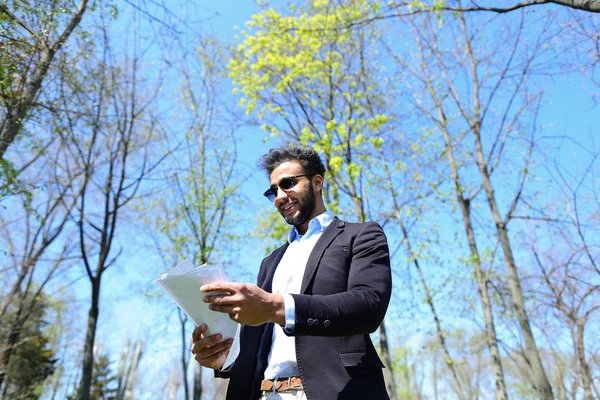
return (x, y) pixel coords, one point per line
(300, 74)
(198, 223)
(104, 381)
(20, 47)
(272, 231)
(9, 184)
(33, 360)
(405, 372)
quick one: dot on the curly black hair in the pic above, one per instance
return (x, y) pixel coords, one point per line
(305, 155)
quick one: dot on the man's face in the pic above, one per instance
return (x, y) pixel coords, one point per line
(296, 204)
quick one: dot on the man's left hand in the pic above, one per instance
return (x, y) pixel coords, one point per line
(245, 303)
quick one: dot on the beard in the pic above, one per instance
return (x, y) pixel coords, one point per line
(306, 207)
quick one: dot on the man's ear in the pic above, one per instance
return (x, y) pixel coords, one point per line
(317, 183)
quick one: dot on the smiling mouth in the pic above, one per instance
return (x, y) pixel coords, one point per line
(287, 208)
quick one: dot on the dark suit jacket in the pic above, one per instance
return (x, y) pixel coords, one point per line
(345, 293)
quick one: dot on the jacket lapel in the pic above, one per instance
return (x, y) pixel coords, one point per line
(335, 228)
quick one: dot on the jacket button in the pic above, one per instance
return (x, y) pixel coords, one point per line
(316, 322)
(310, 321)
(326, 323)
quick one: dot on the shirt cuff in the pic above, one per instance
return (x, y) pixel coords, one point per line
(290, 313)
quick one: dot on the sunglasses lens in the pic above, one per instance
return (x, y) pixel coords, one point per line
(271, 193)
(286, 183)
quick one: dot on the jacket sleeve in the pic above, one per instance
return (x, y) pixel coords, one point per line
(361, 308)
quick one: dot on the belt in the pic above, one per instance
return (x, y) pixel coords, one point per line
(281, 384)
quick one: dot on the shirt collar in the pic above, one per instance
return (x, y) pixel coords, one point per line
(315, 225)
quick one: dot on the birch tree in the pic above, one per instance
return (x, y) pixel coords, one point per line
(564, 247)
(193, 213)
(33, 225)
(33, 34)
(462, 90)
(110, 129)
(308, 82)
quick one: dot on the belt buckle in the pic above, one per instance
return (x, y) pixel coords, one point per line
(274, 388)
(279, 385)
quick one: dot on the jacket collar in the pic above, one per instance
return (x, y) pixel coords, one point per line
(335, 228)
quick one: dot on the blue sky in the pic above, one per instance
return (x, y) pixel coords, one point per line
(125, 316)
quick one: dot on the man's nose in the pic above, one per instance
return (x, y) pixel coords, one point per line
(280, 195)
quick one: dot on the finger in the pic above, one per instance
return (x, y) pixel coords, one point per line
(206, 342)
(211, 351)
(198, 331)
(221, 298)
(218, 287)
(228, 309)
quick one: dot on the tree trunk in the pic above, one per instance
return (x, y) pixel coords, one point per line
(388, 374)
(592, 6)
(541, 383)
(90, 338)
(448, 361)
(585, 5)
(173, 386)
(486, 303)
(136, 355)
(184, 354)
(16, 287)
(16, 116)
(464, 205)
(482, 282)
(562, 390)
(586, 377)
(197, 381)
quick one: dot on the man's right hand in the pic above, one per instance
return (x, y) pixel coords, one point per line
(209, 351)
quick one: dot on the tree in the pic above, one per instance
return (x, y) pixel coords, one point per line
(569, 285)
(32, 238)
(103, 385)
(460, 115)
(410, 383)
(32, 36)
(128, 364)
(409, 198)
(109, 131)
(33, 359)
(312, 83)
(204, 174)
(380, 11)
(103, 380)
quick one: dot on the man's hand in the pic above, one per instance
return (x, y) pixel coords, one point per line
(209, 351)
(245, 303)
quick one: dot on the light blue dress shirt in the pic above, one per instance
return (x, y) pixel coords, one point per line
(288, 280)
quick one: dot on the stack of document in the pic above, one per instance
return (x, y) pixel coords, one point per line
(182, 284)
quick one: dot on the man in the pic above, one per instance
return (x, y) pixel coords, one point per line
(306, 324)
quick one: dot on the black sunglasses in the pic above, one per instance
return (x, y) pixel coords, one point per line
(285, 183)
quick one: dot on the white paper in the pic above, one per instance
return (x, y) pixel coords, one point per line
(182, 284)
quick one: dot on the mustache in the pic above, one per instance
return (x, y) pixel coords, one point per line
(282, 206)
